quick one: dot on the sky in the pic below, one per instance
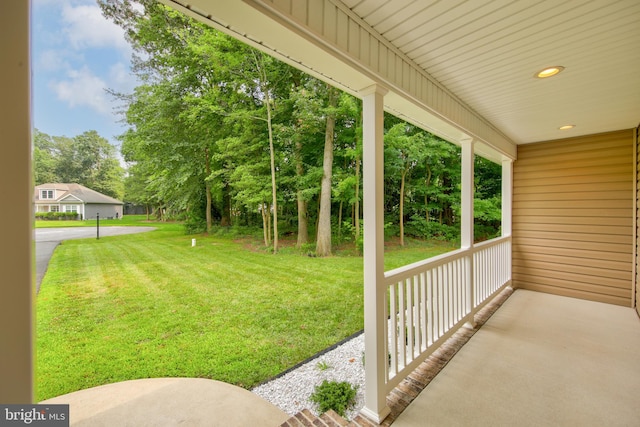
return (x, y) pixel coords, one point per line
(76, 55)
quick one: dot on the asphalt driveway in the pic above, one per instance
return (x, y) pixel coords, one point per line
(48, 238)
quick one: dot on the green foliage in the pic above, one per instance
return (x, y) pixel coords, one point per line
(350, 229)
(420, 228)
(212, 114)
(339, 396)
(195, 224)
(323, 366)
(87, 159)
(57, 216)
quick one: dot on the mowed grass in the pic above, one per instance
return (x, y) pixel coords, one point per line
(150, 305)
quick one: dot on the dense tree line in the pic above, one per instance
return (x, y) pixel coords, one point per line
(222, 134)
(87, 159)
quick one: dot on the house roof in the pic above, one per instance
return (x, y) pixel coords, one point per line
(462, 69)
(80, 192)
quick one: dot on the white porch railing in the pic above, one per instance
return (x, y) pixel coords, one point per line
(429, 300)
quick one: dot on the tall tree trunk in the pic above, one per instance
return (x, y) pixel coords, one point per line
(303, 218)
(273, 178)
(264, 86)
(207, 186)
(323, 241)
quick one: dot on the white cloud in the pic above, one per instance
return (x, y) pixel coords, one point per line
(121, 79)
(52, 60)
(86, 27)
(83, 88)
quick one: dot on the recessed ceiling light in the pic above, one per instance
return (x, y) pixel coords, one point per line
(566, 127)
(549, 71)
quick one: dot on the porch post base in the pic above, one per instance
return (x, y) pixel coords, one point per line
(374, 416)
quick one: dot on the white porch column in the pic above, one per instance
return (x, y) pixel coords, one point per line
(507, 206)
(466, 232)
(375, 353)
(507, 194)
(17, 290)
(467, 195)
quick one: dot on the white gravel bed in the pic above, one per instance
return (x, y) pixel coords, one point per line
(291, 391)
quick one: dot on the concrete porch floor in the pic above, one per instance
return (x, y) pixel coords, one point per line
(540, 360)
(165, 402)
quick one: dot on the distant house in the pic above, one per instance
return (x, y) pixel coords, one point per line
(84, 201)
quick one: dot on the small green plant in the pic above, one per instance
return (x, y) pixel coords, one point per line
(338, 396)
(322, 365)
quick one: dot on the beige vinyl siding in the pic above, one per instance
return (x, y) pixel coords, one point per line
(573, 207)
(637, 223)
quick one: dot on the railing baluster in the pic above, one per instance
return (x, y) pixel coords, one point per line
(393, 319)
(417, 315)
(409, 325)
(402, 325)
(430, 308)
(424, 322)
(440, 300)
(426, 300)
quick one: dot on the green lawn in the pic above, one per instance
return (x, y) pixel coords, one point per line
(150, 305)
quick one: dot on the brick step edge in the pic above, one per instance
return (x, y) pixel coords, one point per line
(306, 418)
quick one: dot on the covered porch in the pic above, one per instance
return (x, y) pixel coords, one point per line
(463, 72)
(540, 359)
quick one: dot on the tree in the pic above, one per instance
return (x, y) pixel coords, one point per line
(405, 148)
(45, 157)
(323, 240)
(87, 159)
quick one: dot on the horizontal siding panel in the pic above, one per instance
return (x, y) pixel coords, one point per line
(598, 160)
(592, 220)
(524, 252)
(600, 287)
(603, 247)
(626, 203)
(618, 185)
(577, 237)
(544, 150)
(575, 171)
(568, 153)
(575, 195)
(608, 264)
(591, 179)
(619, 213)
(574, 228)
(579, 273)
(573, 293)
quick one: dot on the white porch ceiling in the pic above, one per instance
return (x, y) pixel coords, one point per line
(486, 52)
(483, 53)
